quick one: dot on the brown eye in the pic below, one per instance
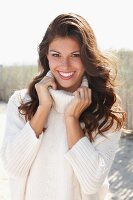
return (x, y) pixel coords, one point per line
(55, 55)
(76, 55)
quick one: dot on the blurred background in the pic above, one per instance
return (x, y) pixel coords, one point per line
(22, 27)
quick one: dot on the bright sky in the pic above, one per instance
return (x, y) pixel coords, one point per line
(23, 24)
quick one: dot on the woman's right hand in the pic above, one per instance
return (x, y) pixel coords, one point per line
(44, 96)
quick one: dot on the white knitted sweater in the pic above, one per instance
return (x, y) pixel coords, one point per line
(45, 168)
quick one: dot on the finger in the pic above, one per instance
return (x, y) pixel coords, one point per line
(77, 94)
(90, 94)
(53, 84)
(49, 82)
(82, 93)
(89, 97)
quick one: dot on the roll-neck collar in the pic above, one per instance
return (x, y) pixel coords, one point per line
(62, 97)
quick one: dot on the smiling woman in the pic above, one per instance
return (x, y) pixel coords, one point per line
(65, 128)
(65, 63)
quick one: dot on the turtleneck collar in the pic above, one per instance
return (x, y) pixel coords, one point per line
(61, 97)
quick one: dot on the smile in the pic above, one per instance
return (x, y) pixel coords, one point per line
(66, 76)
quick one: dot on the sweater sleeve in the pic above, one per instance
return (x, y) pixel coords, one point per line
(20, 144)
(91, 162)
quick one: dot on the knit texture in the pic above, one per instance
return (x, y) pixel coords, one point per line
(45, 168)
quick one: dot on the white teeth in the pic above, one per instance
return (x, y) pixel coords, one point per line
(66, 74)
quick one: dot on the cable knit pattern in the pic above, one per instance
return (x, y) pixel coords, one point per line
(45, 168)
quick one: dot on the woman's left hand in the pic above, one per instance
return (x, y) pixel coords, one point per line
(81, 101)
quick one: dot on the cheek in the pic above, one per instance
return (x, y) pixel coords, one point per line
(80, 68)
(52, 63)
(78, 64)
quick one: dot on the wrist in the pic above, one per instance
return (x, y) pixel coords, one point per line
(44, 107)
(71, 119)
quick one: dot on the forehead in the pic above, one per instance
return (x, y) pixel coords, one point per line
(62, 43)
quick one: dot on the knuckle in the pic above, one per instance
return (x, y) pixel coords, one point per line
(81, 89)
(87, 101)
(83, 101)
(36, 85)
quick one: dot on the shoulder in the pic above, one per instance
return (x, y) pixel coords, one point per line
(20, 96)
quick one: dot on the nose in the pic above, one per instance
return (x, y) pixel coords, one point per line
(65, 63)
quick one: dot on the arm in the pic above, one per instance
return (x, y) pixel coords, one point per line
(39, 119)
(91, 162)
(74, 131)
(20, 144)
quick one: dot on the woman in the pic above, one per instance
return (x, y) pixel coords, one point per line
(63, 131)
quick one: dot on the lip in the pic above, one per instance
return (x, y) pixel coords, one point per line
(66, 78)
(67, 72)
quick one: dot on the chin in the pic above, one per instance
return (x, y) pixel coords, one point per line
(67, 87)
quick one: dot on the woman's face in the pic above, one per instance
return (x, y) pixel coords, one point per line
(65, 63)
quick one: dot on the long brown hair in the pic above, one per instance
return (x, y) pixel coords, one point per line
(105, 110)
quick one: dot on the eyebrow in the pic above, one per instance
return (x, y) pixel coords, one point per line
(60, 53)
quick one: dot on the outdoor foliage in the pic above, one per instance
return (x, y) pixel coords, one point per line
(14, 78)
(126, 89)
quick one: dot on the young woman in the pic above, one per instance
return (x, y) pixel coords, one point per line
(63, 131)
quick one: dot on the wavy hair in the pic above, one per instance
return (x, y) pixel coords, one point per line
(105, 110)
